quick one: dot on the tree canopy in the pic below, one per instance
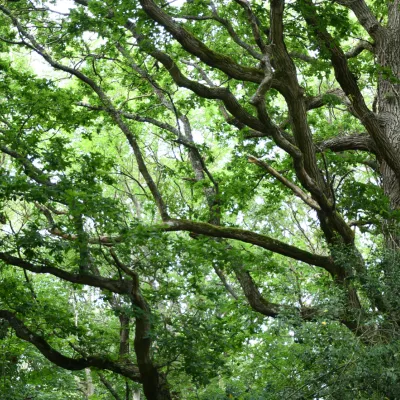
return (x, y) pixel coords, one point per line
(199, 199)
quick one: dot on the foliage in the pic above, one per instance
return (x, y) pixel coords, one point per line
(199, 200)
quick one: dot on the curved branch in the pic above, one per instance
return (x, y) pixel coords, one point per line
(108, 385)
(216, 93)
(231, 120)
(73, 364)
(254, 297)
(257, 239)
(313, 102)
(260, 304)
(254, 23)
(364, 15)
(115, 286)
(354, 52)
(30, 170)
(232, 33)
(359, 48)
(196, 47)
(362, 142)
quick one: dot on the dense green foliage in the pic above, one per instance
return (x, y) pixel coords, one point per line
(159, 232)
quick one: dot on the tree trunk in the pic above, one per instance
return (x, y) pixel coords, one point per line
(89, 387)
(136, 395)
(155, 386)
(154, 382)
(388, 55)
(124, 335)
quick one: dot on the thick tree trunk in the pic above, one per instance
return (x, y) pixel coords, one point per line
(154, 382)
(388, 55)
(155, 386)
(124, 332)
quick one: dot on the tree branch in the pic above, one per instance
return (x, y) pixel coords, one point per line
(232, 33)
(38, 48)
(313, 102)
(73, 364)
(257, 239)
(135, 117)
(196, 47)
(254, 23)
(361, 142)
(254, 297)
(303, 153)
(108, 385)
(115, 286)
(364, 15)
(231, 120)
(348, 82)
(294, 188)
(359, 48)
(216, 93)
(30, 170)
(354, 52)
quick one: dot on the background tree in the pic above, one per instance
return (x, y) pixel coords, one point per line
(267, 131)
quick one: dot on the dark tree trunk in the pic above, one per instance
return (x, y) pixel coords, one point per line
(388, 56)
(155, 386)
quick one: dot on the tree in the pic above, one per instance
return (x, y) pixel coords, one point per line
(267, 131)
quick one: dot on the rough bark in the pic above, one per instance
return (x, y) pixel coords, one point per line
(388, 56)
